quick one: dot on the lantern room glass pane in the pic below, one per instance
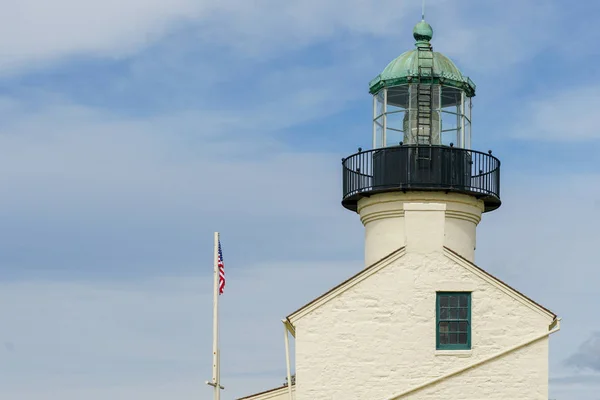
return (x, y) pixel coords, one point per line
(421, 114)
(396, 114)
(394, 134)
(378, 117)
(450, 127)
(451, 97)
(379, 97)
(467, 134)
(452, 116)
(379, 132)
(398, 97)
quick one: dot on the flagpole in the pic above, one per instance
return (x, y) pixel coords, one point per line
(216, 380)
(216, 370)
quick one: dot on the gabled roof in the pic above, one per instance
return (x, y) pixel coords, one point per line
(497, 282)
(373, 268)
(347, 284)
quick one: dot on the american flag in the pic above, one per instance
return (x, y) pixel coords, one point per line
(221, 270)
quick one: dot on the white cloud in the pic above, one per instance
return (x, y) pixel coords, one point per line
(74, 156)
(476, 32)
(543, 241)
(560, 115)
(136, 338)
(144, 338)
(67, 162)
(588, 355)
(493, 36)
(34, 32)
(84, 187)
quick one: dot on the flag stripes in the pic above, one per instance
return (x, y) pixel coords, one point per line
(221, 270)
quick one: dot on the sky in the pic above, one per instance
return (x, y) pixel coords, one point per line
(132, 130)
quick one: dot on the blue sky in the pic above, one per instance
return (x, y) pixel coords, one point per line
(131, 130)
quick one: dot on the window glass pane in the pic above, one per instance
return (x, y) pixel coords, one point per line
(463, 300)
(453, 326)
(462, 338)
(444, 313)
(453, 301)
(444, 301)
(462, 326)
(453, 338)
(453, 313)
(443, 338)
(443, 327)
(462, 313)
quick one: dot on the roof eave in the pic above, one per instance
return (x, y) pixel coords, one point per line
(325, 297)
(463, 83)
(270, 391)
(533, 304)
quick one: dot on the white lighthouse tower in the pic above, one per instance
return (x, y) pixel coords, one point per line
(421, 320)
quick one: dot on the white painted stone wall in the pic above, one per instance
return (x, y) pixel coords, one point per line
(520, 376)
(377, 339)
(385, 219)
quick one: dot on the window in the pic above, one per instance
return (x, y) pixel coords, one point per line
(453, 319)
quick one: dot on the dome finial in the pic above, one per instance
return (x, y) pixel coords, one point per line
(423, 33)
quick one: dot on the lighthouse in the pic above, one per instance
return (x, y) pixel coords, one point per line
(420, 321)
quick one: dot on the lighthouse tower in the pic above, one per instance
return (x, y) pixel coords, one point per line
(421, 159)
(421, 321)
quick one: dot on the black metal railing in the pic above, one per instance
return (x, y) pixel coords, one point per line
(414, 167)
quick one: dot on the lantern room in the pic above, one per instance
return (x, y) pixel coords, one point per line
(421, 97)
(421, 132)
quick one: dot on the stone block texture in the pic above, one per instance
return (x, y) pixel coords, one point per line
(377, 339)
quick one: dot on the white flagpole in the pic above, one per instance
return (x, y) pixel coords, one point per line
(216, 373)
(216, 322)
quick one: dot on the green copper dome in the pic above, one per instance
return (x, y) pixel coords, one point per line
(409, 66)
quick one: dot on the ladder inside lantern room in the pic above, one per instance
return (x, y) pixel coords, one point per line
(425, 97)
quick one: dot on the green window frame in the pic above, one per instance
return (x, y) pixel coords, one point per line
(453, 321)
